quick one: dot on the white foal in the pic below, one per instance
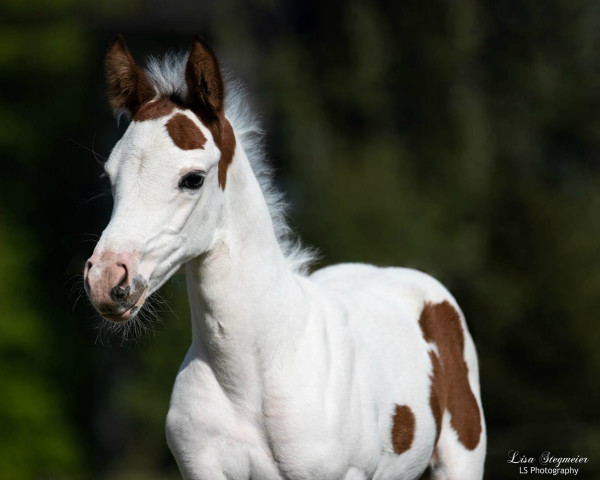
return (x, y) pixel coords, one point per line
(353, 372)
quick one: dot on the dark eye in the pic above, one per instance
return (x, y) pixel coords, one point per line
(192, 180)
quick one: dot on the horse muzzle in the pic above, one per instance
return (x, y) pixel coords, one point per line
(113, 285)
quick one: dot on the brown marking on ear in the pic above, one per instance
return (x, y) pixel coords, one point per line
(451, 391)
(185, 133)
(128, 85)
(403, 429)
(206, 94)
(206, 91)
(155, 109)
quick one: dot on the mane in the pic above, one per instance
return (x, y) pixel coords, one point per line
(168, 76)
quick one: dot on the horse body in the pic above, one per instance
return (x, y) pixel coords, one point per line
(353, 372)
(324, 385)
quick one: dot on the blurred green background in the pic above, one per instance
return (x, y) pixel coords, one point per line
(461, 138)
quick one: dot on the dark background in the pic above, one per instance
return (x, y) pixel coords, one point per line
(461, 138)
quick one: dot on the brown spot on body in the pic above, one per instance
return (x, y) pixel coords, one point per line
(403, 429)
(155, 109)
(450, 389)
(185, 133)
(437, 397)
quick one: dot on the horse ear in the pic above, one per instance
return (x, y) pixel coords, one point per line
(128, 85)
(205, 84)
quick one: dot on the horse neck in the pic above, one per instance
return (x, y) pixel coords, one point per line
(240, 291)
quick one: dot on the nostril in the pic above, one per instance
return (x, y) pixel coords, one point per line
(123, 265)
(123, 280)
(119, 292)
(86, 271)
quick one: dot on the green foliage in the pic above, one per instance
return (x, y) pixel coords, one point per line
(461, 138)
(37, 440)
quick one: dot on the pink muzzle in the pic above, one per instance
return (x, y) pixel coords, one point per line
(113, 285)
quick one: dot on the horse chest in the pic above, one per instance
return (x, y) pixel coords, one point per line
(295, 433)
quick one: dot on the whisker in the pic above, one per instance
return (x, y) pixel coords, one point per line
(145, 322)
(92, 151)
(76, 300)
(88, 240)
(73, 278)
(95, 197)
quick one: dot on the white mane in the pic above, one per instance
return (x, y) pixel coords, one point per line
(168, 75)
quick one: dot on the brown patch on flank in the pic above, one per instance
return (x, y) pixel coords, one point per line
(403, 429)
(128, 85)
(450, 389)
(153, 110)
(185, 133)
(437, 397)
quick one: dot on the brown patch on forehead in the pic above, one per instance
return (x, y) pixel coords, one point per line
(155, 109)
(403, 429)
(185, 133)
(450, 389)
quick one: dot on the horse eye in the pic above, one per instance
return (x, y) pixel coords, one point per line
(192, 180)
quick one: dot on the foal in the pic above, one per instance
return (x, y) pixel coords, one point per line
(353, 372)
